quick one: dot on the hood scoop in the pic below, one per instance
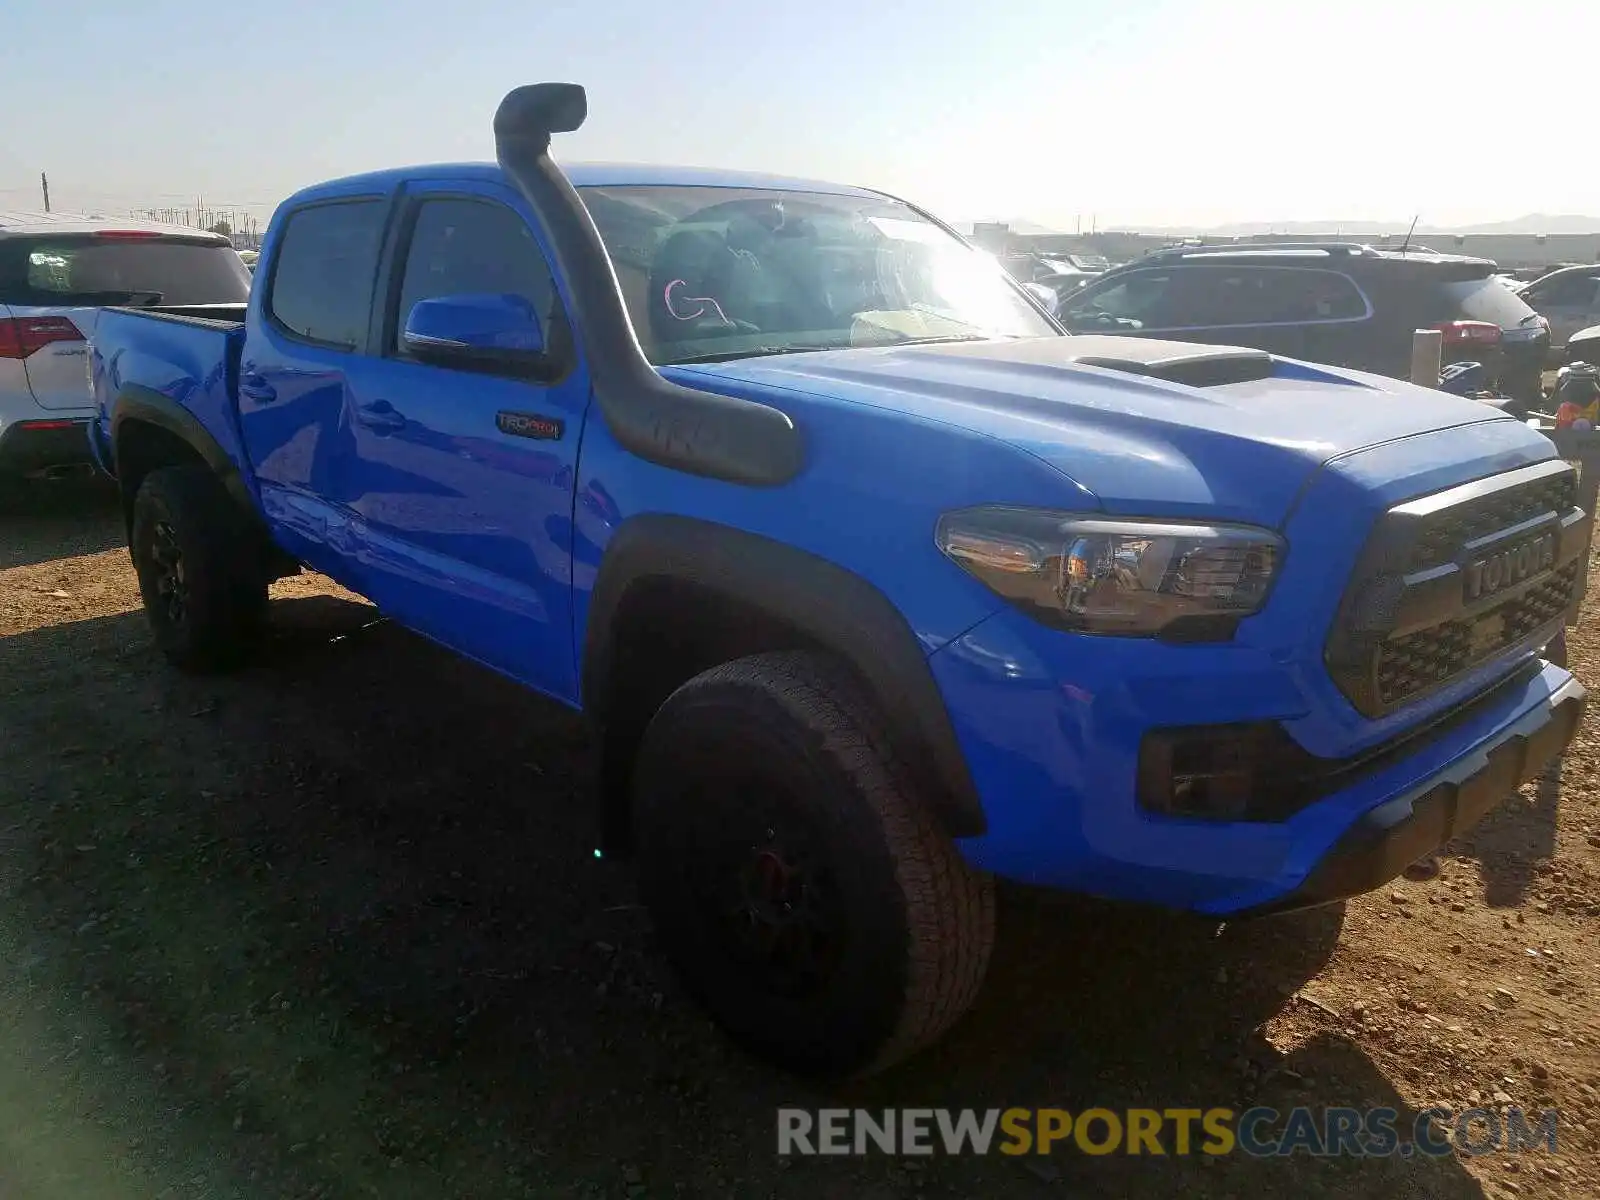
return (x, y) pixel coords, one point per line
(1174, 362)
(1186, 363)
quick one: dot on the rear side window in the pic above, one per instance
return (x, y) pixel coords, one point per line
(1218, 296)
(464, 247)
(93, 270)
(327, 260)
(1304, 296)
(1485, 299)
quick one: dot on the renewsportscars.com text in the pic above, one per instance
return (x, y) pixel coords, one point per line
(1258, 1132)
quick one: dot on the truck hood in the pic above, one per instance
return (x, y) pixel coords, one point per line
(1219, 432)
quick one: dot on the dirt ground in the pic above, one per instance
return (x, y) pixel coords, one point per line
(333, 927)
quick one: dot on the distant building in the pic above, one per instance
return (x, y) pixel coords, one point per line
(993, 236)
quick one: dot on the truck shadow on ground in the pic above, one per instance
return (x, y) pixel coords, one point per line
(1512, 841)
(46, 521)
(339, 916)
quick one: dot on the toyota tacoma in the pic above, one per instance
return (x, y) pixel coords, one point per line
(874, 585)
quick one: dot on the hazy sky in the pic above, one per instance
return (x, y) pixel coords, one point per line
(1136, 111)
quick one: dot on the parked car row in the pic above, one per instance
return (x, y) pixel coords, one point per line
(1338, 303)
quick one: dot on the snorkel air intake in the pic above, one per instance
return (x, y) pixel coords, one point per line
(687, 430)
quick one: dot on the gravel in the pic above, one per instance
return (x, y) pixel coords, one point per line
(333, 927)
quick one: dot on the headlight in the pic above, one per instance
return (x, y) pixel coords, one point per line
(1138, 578)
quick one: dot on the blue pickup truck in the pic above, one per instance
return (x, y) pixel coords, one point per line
(874, 585)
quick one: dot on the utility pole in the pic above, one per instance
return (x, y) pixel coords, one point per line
(44, 182)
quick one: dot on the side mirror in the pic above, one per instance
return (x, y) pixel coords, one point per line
(483, 332)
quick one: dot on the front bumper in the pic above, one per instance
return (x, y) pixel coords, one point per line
(1398, 832)
(1056, 764)
(36, 445)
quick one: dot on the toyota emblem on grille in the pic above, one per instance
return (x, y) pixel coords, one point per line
(1497, 571)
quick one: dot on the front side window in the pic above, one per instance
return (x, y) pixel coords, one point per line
(1568, 291)
(465, 247)
(327, 262)
(1136, 300)
(713, 273)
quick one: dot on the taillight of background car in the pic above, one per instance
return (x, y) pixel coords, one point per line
(1462, 334)
(23, 336)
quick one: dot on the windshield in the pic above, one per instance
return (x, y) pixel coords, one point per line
(713, 273)
(88, 270)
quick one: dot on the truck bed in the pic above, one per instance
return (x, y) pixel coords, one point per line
(224, 315)
(186, 353)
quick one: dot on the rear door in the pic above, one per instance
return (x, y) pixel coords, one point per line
(310, 330)
(1236, 305)
(54, 285)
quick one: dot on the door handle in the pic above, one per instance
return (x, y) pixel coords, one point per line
(380, 416)
(254, 386)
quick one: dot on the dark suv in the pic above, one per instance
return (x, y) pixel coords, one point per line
(1329, 302)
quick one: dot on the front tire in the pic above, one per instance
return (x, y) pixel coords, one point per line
(200, 576)
(807, 898)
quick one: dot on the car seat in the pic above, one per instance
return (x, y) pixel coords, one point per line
(682, 297)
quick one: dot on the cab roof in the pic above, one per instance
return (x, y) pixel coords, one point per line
(581, 175)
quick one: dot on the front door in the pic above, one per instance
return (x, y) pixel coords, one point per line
(461, 482)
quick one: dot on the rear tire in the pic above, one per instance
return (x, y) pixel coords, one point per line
(200, 572)
(806, 897)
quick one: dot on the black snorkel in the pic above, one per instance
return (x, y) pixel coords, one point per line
(701, 433)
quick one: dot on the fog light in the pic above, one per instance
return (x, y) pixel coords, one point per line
(1225, 773)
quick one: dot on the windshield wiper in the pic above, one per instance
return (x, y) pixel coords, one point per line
(947, 337)
(712, 356)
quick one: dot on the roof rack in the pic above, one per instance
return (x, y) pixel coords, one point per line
(1220, 250)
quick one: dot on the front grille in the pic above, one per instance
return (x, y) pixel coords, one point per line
(1454, 527)
(1410, 665)
(1451, 581)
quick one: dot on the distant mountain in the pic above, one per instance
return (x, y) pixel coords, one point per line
(1537, 223)
(1532, 223)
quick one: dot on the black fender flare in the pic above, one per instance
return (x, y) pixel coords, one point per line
(148, 406)
(830, 606)
(137, 403)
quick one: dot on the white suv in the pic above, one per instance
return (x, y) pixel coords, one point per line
(56, 272)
